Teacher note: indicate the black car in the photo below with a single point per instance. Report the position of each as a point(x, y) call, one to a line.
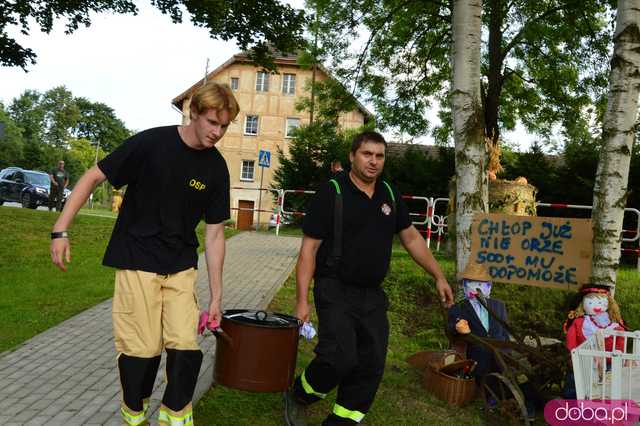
point(29, 187)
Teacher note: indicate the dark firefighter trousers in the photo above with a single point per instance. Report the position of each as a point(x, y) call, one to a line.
point(353, 335)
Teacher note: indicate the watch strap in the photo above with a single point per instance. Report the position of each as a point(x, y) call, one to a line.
point(61, 234)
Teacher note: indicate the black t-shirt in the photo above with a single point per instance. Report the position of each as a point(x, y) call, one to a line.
point(369, 225)
point(170, 187)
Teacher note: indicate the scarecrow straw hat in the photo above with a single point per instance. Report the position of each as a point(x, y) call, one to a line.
point(474, 272)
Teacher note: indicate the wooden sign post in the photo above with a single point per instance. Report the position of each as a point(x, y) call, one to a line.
point(530, 250)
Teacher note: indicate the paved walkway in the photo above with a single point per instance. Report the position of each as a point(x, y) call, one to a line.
point(67, 375)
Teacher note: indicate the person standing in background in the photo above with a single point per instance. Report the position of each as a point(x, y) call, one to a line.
point(59, 180)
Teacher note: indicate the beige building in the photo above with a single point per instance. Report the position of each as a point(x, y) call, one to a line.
point(267, 115)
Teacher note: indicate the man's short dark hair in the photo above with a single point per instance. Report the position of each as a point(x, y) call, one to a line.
point(368, 136)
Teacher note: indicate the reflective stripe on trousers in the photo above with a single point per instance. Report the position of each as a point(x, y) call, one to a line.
point(137, 419)
point(354, 415)
point(131, 419)
point(166, 417)
point(308, 389)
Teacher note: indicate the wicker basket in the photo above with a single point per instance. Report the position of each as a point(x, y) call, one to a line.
point(422, 359)
point(451, 389)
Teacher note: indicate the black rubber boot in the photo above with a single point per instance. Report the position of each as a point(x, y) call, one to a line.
point(294, 411)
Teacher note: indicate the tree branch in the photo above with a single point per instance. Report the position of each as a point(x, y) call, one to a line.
point(509, 72)
point(516, 39)
point(374, 32)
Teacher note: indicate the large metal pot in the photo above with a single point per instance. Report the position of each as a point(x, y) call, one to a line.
point(256, 350)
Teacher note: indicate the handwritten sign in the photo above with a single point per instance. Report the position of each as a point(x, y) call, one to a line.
point(530, 250)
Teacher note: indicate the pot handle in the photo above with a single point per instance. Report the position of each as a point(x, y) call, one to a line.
point(261, 315)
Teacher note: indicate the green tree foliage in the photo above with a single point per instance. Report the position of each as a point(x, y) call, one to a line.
point(78, 158)
point(540, 170)
point(98, 123)
point(566, 178)
point(56, 125)
point(578, 172)
point(84, 152)
point(61, 116)
point(311, 151)
point(316, 145)
point(28, 114)
point(544, 61)
point(330, 100)
point(417, 173)
point(11, 142)
point(271, 24)
point(633, 199)
point(34, 157)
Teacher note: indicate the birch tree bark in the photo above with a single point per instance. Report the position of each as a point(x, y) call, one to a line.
point(468, 124)
point(610, 191)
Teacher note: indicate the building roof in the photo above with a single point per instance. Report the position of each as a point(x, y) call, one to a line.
point(243, 57)
point(395, 149)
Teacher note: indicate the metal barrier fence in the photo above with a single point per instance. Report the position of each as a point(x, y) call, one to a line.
point(634, 232)
point(429, 218)
point(437, 224)
point(258, 209)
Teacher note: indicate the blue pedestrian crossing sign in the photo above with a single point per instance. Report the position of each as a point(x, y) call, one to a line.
point(264, 159)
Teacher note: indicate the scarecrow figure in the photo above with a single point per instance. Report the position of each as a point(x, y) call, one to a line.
point(596, 310)
point(469, 316)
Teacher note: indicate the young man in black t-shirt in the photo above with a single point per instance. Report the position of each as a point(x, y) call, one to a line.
point(348, 263)
point(175, 177)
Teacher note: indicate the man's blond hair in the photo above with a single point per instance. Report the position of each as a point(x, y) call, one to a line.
point(215, 96)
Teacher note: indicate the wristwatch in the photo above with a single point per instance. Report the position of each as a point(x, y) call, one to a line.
point(61, 234)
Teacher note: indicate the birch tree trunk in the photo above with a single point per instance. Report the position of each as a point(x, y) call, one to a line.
point(468, 124)
point(610, 192)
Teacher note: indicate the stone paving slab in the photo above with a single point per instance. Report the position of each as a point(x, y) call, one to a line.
point(67, 375)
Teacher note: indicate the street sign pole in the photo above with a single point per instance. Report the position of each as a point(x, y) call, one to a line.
point(260, 195)
point(264, 160)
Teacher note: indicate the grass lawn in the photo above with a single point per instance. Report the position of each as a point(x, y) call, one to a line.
point(34, 295)
point(400, 400)
point(98, 211)
point(416, 324)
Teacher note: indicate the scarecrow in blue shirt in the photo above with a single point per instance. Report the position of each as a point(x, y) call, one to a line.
point(469, 316)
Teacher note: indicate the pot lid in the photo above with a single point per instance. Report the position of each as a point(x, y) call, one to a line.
point(260, 318)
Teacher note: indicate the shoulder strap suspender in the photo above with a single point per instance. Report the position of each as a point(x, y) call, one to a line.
point(393, 197)
point(336, 252)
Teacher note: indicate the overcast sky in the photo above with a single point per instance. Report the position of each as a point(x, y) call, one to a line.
point(134, 64)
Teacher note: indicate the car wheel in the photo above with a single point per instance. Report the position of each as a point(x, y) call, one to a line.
point(26, 201)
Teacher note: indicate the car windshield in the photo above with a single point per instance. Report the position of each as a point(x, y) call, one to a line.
point(37, 178)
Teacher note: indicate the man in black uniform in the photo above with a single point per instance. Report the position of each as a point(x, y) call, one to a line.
point(175, 177)
point(59, 181)
point(347, 251)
